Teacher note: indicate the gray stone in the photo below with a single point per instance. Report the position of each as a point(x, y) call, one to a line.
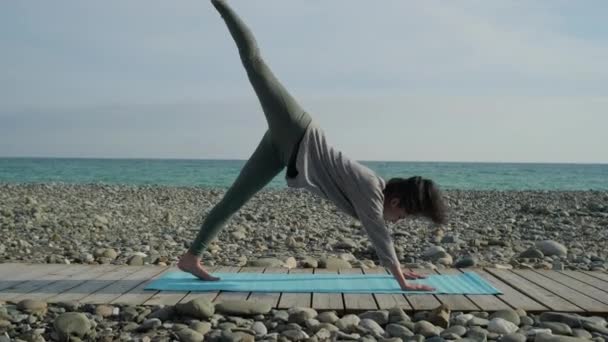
point(164, 314)
point(582, 333)
point(466, 261)
point(462, 319)
point(242, 307)
point(259, 328)
point(104, 310)
point(135, 260)
point(515, 337)
point(346, 243)
point(31, 306)
point(551, 248)
point(348, 323)
point(435, 339)
point(129, 313)
point(457, 330)
point(595, 327)
point(477, 335)
point(509, 315)
point(543, 337)
point(371, 325)
point(323, 334)
point(396, 314)
point(398, 330)
point(525, 320)
point(531, 253)
point(426, 329)
point(478, 321)
point(150, 324)
point(189, 335)
point(415, 338)
point(328, 317)
point(557, 328)
point(72, 324)
point(265, 262)
point(501, 326)
point(198, 308)
point(572, 320)
point(299, 315)
point(200, 327)
point(379, 316)
point(295, 335)
point(334, 263)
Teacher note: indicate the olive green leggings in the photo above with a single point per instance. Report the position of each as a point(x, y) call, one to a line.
point(287, 122)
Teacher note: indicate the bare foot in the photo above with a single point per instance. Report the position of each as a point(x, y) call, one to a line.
point(192, 264)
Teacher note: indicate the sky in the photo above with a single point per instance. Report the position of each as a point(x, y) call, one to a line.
point(478, 81)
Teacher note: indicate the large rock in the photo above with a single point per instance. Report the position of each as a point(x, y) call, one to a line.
point(199, 308)
point(550, 248)
point(242, 307)
point(72, 324)
point(440, 316)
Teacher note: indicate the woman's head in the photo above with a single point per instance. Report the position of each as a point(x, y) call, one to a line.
point(415, 196)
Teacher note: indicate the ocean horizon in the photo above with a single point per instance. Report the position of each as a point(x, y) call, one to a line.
point(220, 173)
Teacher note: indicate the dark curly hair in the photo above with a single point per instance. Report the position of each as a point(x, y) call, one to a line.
point(418, 196)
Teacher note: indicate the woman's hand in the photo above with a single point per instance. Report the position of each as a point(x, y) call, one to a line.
point(416, 287)
point(400, 276)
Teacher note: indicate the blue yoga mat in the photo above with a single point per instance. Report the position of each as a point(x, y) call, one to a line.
point(464, 283)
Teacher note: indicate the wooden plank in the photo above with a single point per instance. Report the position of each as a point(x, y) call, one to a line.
point(388, 300)
point(210, 295)
point(421, 302)
point(10, 269)
point(137, 295)
point(230, 295)
point(511, 296)
point(29, 272)
point(93, 285)
point(327, 301)
point(65, 284)
point(587, 279)
point(587, 303)
point(291, 299)
point(171, 297)
point(577, 285)
point(484, 302)
point(270, 298)
point(547, 298)
point(599, 275)
point(117, 288)
point(456, 302)
point(41, 282)
point(357, 301)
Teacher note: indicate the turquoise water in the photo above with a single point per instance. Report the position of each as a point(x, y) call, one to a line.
point(221, 173)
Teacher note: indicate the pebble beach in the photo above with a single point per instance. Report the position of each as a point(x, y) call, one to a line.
point(138, 225)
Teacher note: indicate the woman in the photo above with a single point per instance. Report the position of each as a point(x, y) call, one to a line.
point(294, 140)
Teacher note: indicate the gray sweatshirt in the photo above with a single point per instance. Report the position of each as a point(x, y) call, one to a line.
point(352, 187)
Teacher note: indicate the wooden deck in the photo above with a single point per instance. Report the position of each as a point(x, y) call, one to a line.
point(531, 290)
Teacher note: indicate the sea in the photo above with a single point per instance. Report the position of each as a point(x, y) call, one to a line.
point(221, 173)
